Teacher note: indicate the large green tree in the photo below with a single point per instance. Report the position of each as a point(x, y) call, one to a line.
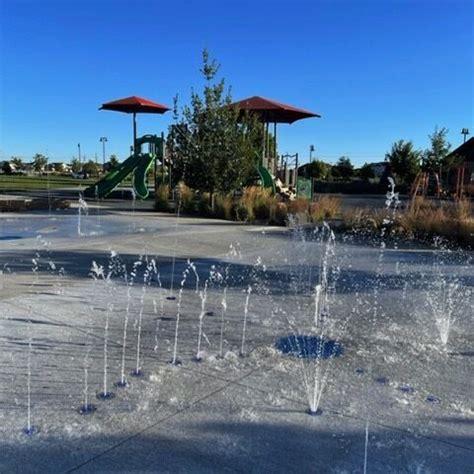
point(320, 170)
point(76, 165)
point(17, 161)
point(404, 160)
point(91, 168)
point(435, 156)
point(343, 168)
point(39, 162)
point(366, 171)
point(212, 148)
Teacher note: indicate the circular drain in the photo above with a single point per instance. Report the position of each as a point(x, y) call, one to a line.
point(87, 409)
point(105, 395)
point(433, 399)
point(32, 430)
point(309, 347)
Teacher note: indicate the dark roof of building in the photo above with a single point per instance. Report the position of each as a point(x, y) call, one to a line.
point(466, 150)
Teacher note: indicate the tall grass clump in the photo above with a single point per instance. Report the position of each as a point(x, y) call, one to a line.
point(255, 203)
point(325, 207)
point(186, 198)
point(161, 198)
point(204, 207)
point(223, 206)
point(422, 219)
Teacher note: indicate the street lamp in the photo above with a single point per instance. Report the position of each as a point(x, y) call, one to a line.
point(311, 150)
point(79, 152)
point(465, 132)
point(103, 140)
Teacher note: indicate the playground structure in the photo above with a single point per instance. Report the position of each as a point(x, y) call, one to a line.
point(422, 182)
point(277, 173)
point(138, 165)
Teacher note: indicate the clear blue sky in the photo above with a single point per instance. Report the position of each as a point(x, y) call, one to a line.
point(376, 70)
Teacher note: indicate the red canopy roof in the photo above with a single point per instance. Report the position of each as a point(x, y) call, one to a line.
point(272, 111)
point(135, 104)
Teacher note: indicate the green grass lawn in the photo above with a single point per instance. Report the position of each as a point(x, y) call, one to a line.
point(19, 182)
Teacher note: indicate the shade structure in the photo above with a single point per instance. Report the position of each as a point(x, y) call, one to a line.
point(135, 105)
point(271, 111)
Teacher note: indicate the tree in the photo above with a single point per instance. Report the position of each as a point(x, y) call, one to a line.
point(91, 168)
point(7, 167)
point(343, 168)
point(113, 161)
point(434, 157)
point(320, 169)
point(212, 148)
point(39, 162)
point(76, 165)
point(404, 161)
point(17, 161)
point(366, 172)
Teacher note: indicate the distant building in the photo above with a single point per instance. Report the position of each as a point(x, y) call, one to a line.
point(465, 153)
point(59, 167)
point(378, 168)
point(28, 168)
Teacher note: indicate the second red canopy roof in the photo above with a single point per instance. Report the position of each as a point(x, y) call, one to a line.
point(272, 111)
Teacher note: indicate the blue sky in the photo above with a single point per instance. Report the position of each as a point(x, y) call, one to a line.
point(376, 70)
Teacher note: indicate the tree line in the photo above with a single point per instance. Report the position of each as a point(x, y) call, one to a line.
point(404, 160)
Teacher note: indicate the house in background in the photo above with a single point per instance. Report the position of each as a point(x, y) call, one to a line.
point(378, 168)
point(59, 167)
point(465, 169)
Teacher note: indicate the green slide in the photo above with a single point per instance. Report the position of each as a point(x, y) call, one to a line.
point(139, 175)
point(108, 183)
point(266, 178)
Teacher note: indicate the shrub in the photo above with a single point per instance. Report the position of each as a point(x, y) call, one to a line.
point(279, 213)
point(325, 207)
point(298, 206)
point(186, 198)
point(255, 200)
point(223, 206)
point(243, 213)
point(204, 204)
point(463, 208)
point(423, 219)
point(161, 198)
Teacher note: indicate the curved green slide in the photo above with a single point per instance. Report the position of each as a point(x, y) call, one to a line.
point(266, 178)
point(137, 164)
point(139, 176)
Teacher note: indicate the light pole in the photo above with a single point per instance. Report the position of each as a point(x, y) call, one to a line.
point(103, 140)
point(465, 132)
point(311, 150)
point(79, 152)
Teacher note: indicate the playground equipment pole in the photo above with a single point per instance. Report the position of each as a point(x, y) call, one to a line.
point(134, 132)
